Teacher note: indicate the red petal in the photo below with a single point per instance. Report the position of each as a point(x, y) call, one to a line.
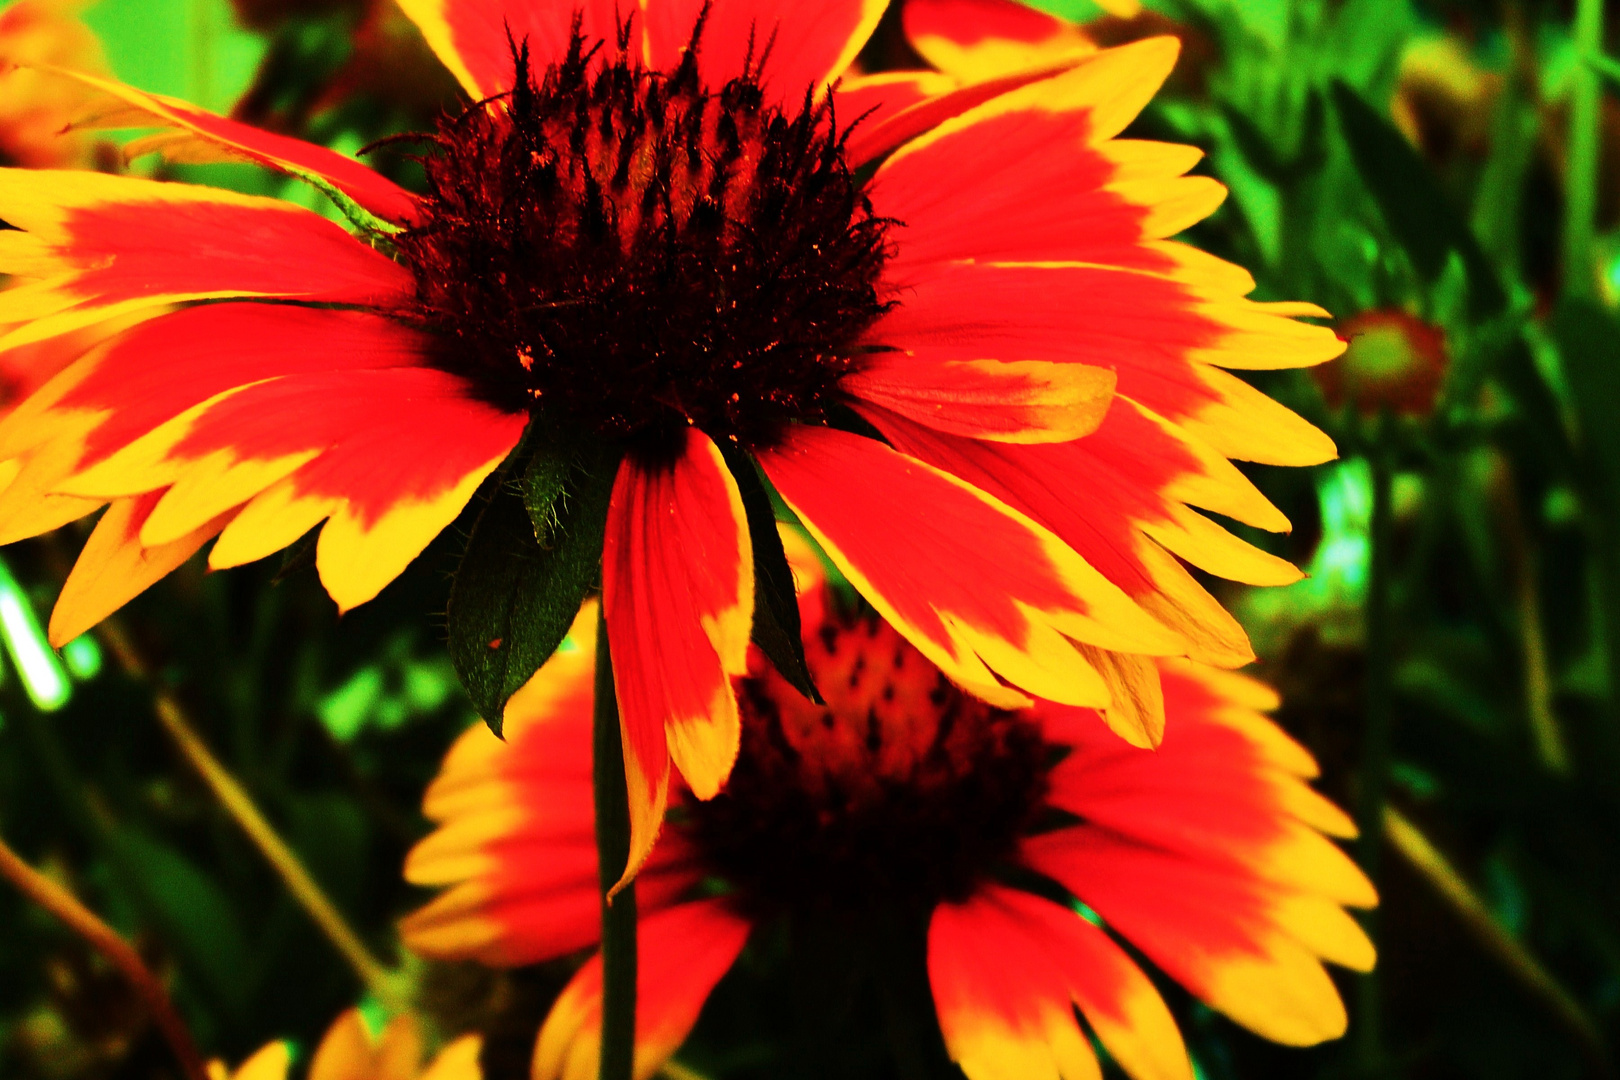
point(1005, 401)
point(471, 36)
point(1006, 968)
point(872, 99)
point(681, 952)
point(197, 135)
point(516, 835)
point(805, 46)
point(974, 584)
point(1153, 331)
point(678, 591)
point(982, 39)
point(100, 246)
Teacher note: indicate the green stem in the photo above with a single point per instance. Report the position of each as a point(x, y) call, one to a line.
point(612, 854)
point(1581, 178)
point(1376, 734)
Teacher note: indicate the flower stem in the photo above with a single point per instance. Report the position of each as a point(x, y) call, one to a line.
point(105, 940)
point(612, 853)
point(1376, 732)
point(384, 984)
point(1581, 170)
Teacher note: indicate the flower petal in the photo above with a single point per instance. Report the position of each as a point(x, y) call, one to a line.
point(1005, 967)
point(396, 452)
point(115, 567)
point(681, 952)
point(1111, 497)
point(804, 47)
point(1204, 856)
point(1155, 332)
point(516, 829)
point(678, 593)
point(474, 38)
point(1005, 401)
point(982, 39)
point(974, 584)
point(872, 99)
point(197, 135)
point(96, 246)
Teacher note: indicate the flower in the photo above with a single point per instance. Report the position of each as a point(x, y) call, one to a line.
point(349, 1051)
point(649, 277)
point(1395, 361)
point(906, 799)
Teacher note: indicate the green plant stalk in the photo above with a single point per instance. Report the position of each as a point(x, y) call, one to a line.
point(1581, 169)
point(612, 854)
point(1372, 776)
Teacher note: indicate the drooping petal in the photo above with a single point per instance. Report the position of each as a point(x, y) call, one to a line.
point(196, 135)
point(115, 567)
point(348, 1050)
point(1152, 330)
point(1004, 401)
point(515, 841)
point(681, 952)
point(982, 39)
point(1116, 497)
point(475, 38)
point(1206, 855)
point(977, 586)
point(804, 47)
point(392, 454)
point(1007, 969)
point(678, 593)
point(88, 246)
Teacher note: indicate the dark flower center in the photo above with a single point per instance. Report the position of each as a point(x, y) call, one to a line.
point(902, 790)
point(631, 252)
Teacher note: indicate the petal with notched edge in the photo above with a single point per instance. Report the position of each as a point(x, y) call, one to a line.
point(1007, 968)
point(681, 952)
point(678, 594)
point(395, 453)
point(115, 567)
point(92, 246)
point(977, 586)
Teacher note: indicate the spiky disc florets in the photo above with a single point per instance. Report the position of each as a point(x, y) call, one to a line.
point(633, 252)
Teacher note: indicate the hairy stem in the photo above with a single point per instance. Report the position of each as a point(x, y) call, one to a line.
point(1581, 173)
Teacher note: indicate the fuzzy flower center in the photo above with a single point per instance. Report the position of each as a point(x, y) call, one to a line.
point(901, 790)
point(630, 251)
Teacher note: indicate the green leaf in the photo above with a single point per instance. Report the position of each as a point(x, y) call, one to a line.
point(522, 580)
point(194, 914)
point(776, 605)
point(1415, 208)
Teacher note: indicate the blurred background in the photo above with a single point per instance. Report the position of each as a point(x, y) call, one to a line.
point(1443, 175)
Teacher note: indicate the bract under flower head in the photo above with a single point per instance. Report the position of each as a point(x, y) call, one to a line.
point(635, 252)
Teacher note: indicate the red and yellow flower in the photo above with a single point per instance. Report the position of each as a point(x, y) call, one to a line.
point(905, 795)
point(954, 337)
